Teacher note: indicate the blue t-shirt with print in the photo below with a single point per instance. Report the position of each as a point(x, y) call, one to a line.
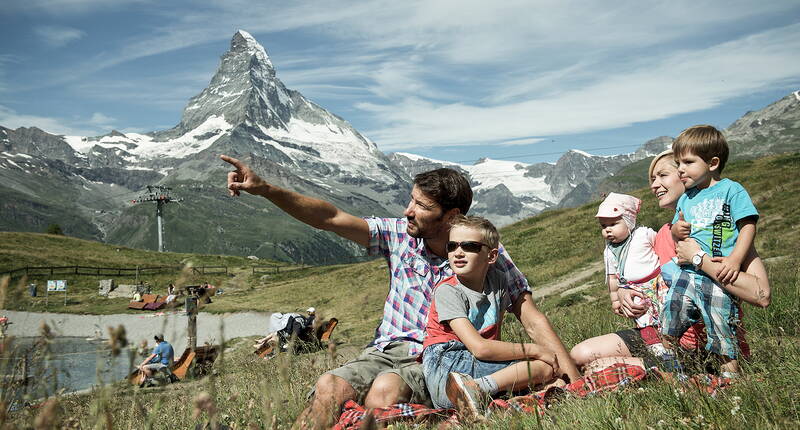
point(164, 353)
point(713, 213)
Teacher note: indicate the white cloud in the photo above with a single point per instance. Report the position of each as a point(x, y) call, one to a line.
point(96, 125)
point(659, 87)
point(466, 72)
point(56, 36)
point(100, 119)
point(522, 141)
point(4, 60)
point(61, 7)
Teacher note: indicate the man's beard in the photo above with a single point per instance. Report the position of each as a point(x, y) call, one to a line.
point(423, 234)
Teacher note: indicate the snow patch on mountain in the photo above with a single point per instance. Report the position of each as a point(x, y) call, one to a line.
point(488, 173)
point(335, 143)
point(144, 147)
point(491, 173)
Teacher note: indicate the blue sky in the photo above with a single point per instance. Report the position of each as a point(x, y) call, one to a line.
point(453, 80)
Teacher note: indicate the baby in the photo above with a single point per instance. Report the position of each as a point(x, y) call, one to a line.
point(631, 261)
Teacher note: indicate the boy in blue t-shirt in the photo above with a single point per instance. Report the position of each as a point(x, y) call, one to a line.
point(719, 215)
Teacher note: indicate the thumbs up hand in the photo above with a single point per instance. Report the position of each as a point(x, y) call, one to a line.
point(681, 229)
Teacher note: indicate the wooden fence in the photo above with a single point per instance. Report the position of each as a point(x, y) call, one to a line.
point(110, 271)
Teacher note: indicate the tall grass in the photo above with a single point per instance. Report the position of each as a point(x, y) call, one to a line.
point(245, 392)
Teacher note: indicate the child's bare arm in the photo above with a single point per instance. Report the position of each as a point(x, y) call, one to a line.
point(752, 284)
point(495, 350)
point(541, 331)
point(613, 288)
point(732, 264)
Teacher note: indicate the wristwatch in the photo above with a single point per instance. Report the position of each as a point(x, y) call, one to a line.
point(697, 259)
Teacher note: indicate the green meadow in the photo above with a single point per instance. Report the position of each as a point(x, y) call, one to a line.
point(244, 392)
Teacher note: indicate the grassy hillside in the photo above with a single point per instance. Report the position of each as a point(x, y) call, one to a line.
point(548, 248)
point(208, 221)
point(19, 250)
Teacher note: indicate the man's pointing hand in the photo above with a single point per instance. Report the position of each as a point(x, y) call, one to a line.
point(243, 179)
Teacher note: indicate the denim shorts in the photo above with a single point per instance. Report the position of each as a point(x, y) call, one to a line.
point(440, 359)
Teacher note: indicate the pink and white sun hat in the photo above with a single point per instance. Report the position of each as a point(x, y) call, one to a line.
point(620, 205)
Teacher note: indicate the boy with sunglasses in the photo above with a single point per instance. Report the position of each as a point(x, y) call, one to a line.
point(464, 360)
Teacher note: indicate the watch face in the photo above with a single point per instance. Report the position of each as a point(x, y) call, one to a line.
point(697, 259)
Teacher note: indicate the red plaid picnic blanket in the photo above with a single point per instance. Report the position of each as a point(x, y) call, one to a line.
point(354, 414)
point(609, 379)
point(612, 378)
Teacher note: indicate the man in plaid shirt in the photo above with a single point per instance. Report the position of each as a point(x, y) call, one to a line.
point(387, 371)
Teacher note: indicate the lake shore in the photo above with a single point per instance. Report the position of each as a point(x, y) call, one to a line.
point(211, 328)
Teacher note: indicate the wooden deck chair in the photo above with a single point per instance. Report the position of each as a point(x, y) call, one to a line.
point(149, 298)
point(137, 305)
point(136, 377)
point(154, 306)
point(326, 334)
point(265, 350)
point(180, 367)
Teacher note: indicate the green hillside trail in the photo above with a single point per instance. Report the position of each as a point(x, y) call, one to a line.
point(567, 284)
point(238, 279)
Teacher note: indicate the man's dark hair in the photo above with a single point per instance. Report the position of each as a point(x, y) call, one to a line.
point(159, 337)
point(446, 187)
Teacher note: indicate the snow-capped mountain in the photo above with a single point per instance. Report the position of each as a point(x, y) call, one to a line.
point(246, 101)
point(246, 112)
point(503, 191)
point(85, 184)
point(508, 191)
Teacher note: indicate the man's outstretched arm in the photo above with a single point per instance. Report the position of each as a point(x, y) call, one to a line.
point(314, 212)
point(540, 331)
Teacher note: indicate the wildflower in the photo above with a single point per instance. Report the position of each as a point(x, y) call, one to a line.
point(45, 331)
point(117, 339)
point(204, 403)
point(48, 417)
point(736, 405)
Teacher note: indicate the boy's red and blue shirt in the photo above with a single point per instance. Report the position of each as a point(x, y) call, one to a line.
point(414, 271)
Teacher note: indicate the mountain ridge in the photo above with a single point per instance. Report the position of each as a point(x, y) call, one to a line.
point(247, 112)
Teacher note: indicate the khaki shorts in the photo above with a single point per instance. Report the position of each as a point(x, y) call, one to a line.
point(371, 363)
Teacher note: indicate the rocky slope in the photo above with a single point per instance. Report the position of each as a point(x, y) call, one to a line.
point(247, 112)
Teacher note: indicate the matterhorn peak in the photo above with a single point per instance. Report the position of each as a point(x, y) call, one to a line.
point(244, 42)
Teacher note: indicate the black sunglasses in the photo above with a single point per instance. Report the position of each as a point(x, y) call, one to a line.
point(467, 246)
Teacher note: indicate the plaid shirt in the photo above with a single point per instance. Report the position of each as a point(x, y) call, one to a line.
point(414, 271)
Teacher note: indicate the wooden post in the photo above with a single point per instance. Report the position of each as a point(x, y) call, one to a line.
point(191, 310)
point(193, 331)
point(25, 371)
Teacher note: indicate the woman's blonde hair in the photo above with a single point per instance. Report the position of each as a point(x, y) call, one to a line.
point(658, 157)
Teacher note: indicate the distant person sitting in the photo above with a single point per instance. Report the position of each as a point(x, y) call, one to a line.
point(311, 315)
point(171, 293)
point(283, 327)
point(161, 357)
